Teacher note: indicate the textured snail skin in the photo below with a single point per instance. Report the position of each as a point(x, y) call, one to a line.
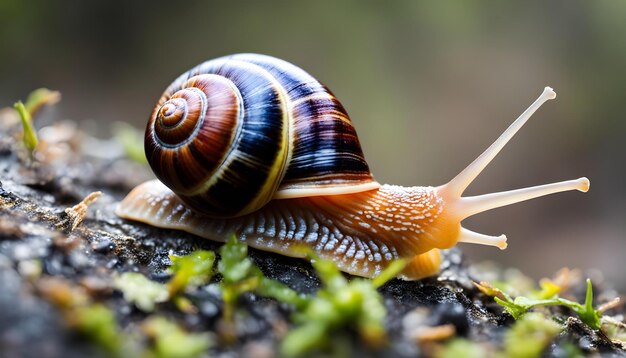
point(361, 232)
point(254, 146)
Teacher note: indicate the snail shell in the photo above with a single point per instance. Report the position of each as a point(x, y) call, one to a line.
point(235, 132)
point(253, 146)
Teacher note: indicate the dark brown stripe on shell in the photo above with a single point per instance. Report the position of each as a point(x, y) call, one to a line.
point(185, 155)
point(326, 147)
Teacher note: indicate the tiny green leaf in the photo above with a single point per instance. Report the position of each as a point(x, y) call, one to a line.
point(394, 268)
point(98, 323)
point(195, 268)
point(240, 275)
point(144, 293)
point(234, 264)
point(30, 136)
point(338, 304)
point(520, 305)
point(513, 309)
point(304, 339)
point(329, 274)
point(39, 98)
point(277, 290)
point(460, 347)
point(586, 312)
point(169, 340)
point(549, 289)
point(529, 336)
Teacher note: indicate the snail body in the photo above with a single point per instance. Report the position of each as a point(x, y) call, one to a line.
point(252, 145)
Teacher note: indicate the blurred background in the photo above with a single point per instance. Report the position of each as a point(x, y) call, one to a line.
point(429, 85)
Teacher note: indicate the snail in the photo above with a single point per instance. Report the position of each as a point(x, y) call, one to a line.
point(253, 145)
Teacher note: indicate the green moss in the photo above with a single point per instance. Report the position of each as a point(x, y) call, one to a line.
point(340, 304)
point(144, 293)
point(170, 340)
point(460, 347)
point(234, 264)
point(98, 324)
point(30, 136)
point(240, 274)
point(39, 98)
point(529, 336)
point(547, 297)
point(195, 269)
point(36, 100)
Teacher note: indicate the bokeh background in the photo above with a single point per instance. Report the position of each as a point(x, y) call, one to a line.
point(429, 85)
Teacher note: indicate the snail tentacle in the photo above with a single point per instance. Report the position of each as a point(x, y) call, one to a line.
point(459, 208)
point(472, 205)
point(471, 237)
point(457, 186)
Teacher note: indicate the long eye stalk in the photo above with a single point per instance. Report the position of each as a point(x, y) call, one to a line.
point(463, 207)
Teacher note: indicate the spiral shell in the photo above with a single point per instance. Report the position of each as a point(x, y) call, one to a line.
point(233, 133)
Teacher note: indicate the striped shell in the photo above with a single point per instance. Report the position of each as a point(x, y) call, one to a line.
point(233, 133)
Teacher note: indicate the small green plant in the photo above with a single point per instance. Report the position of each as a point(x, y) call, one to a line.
point(546, 297)
point(340, 304)
point(170, 340)
point(36, 100)
point(97, 323)
point(39, 98)
point(529, 336)
point(141, 291)
point(194, 269)
point(30, 136)
point(461, 347)
point(240, 274)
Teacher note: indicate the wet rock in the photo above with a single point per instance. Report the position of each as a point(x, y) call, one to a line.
point(104, 246)
point(209, 309)
point(451, 313)
point(258, 349)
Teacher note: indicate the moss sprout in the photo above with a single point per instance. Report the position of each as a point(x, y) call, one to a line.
point(99, 324)
point(339, 304)
point(547, 296)
point(170, 340)
point(240, 274)
point(29, 135)
point(461, 347)
point(529, 336)
point(39, 98)
point(194, 269)
point(141, 291)
point(36, 100)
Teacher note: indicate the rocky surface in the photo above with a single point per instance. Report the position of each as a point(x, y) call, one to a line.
point(38, 249)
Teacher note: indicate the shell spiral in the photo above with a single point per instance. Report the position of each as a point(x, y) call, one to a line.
point(233, 133)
